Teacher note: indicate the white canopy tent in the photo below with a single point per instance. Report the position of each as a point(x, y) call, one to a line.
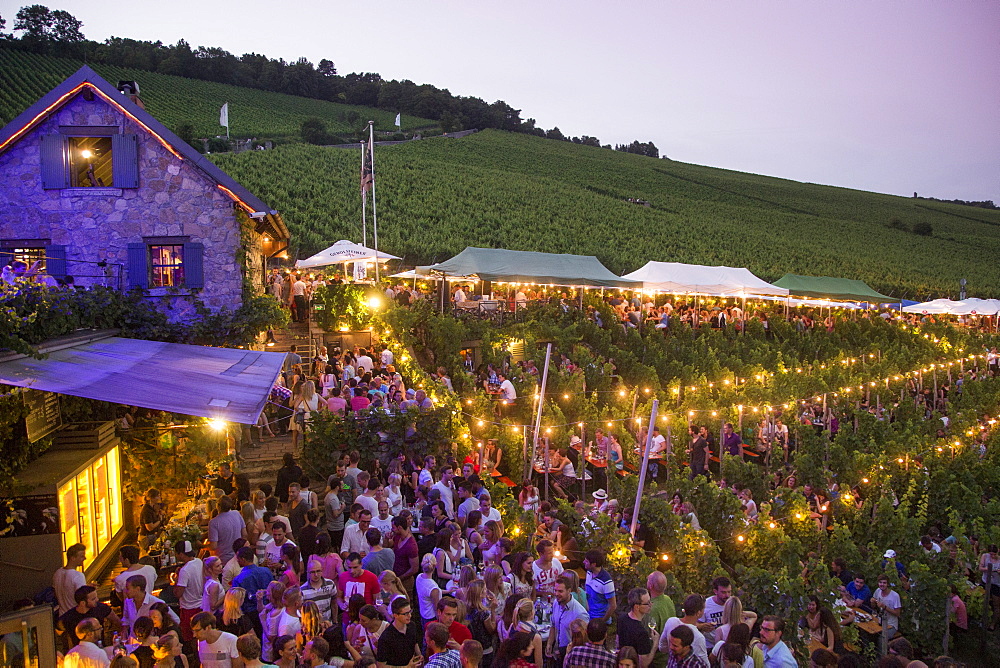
point(697, 279)
point(343, 252)
point(971, 306)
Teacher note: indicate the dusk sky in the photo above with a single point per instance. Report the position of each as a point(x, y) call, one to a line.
point(887, 96)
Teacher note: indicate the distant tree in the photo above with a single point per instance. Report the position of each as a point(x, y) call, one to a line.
point(314, 131)
point(897, 224)
point(923, 229)
point(448, 123)
point(555, 133)
point(590, 141)
point(326, 68)
point(3, 24)
point(38, 24)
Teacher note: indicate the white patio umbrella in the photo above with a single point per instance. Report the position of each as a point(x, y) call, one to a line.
point(343, 252)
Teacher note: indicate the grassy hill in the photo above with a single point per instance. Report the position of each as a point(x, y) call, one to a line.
point(515, 191)
point(24, 77)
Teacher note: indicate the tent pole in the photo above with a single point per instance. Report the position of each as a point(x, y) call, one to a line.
point(538, 416)
point(645, 465)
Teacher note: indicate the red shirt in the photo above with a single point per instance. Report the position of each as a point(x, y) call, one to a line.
point(367, 585)
point(459, 632)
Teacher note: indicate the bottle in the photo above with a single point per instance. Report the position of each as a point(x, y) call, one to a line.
point(118, 645)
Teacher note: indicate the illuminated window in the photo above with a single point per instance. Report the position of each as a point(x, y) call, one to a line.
point(90, 162)
point(29, 256)
point(167, 265)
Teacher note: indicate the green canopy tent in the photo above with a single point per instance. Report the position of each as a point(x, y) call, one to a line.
point(510, 266)
point(828, 287)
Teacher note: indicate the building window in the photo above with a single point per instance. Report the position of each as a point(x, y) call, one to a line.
point(167, 264)
point(90, 162)
point(29, 256)
point(89, 158)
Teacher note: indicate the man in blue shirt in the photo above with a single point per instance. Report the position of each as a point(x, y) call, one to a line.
point(776, 652)
point(600, 587)
point(857, 593)
point(253, 579)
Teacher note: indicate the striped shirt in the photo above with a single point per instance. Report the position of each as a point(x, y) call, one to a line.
point(600, 590)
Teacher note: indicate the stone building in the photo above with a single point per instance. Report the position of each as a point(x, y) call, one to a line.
point(102, 192)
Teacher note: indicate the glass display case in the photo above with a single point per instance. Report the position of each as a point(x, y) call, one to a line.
point(90, 504)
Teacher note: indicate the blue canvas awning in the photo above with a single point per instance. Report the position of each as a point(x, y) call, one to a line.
point(223, 383)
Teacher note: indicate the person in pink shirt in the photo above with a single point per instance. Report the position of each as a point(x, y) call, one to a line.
point(335, 403)
point(360, 400)
point(960, 615)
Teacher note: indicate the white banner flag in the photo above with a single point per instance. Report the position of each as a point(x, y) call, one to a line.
point(397, 119)
point(224, 115)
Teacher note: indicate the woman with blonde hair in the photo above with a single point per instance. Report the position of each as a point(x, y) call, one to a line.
point(490, 546)
point(480, 619)
point(574, 587)
point(525, 614)
point(733, 614)
point(459, 586)
point(302, 409)
point(313, 623)
point(497, 587)
point(255, 527)
point(269, 616)
point(427, 589)
point(232, 619)
point(213, 592)
point(391, 589)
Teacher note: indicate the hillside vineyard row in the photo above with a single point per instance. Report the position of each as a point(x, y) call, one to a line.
point(521, 192)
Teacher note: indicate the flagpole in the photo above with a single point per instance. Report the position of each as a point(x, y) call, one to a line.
point(371, 143)
point(364, 201)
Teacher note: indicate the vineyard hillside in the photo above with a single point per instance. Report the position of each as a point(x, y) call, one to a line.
point(515, 191)
point(26, 76)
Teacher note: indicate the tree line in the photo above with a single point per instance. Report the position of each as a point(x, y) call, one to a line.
point(56, 32)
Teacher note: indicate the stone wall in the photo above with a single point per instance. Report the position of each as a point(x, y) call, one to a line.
point(174, 198)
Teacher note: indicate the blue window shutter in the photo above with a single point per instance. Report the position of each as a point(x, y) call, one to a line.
point(6, 256)
point(55, 261)
point(138, 267)
point(194, 273)
point(125, 161)
point(55, 162)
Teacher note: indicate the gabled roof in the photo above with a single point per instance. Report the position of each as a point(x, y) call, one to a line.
point(85, 77)
point(703, 280)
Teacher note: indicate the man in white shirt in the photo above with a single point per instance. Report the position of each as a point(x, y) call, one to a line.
point(368, 499)
point(444, 485)
point(711, 616)
point(487, 509)
point(507, 391)
point(386, 356)
point(129, 555)
point(354, 536)
point(216, 649)
point(190, 585)
point(365, 363)
point(383, 521)
point(888, 601)
point(299, 300)
point(460, 295)
point(692, 608)
point(69, 578)
point(546, 568)
point(279, 537)
point(137, 604)
point(87, 654)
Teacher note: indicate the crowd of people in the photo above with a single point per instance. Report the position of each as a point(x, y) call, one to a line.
point(411, 566)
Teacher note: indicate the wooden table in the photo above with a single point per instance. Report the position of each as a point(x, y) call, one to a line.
point(871, 626)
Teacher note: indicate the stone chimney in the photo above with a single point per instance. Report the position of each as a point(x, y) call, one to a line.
point(130, 89)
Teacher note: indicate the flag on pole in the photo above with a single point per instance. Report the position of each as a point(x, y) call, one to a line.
point(398, 119)
point(367, 174)
point(224, 115)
